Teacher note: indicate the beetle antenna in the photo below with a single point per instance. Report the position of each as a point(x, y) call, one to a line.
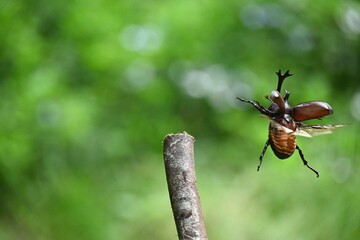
point(305, 162)
point(281, 78)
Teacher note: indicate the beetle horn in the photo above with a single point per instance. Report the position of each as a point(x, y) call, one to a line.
point(281, 78)
point(278, 100)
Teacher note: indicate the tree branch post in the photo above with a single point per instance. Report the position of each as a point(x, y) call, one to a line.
point(181, 180)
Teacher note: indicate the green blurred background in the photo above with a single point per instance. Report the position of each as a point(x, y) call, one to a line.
point(89, 89)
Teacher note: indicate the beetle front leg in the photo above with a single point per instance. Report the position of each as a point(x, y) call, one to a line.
point(256, 104)
point(305, 162)
point(262, 154)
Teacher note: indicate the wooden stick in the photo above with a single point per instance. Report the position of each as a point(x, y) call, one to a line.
point(181, 180)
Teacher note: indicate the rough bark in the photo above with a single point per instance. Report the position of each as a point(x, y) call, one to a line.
point(181, 180)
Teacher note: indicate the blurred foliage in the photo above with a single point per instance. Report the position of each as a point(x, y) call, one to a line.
point(90, 88)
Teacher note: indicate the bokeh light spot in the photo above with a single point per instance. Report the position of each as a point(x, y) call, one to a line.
point(141, 38)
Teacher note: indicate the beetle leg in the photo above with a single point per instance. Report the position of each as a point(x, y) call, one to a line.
point(263, 153)
point(305, 162)
point(256, 104)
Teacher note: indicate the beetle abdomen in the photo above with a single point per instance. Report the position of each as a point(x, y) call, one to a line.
point(282, 140)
